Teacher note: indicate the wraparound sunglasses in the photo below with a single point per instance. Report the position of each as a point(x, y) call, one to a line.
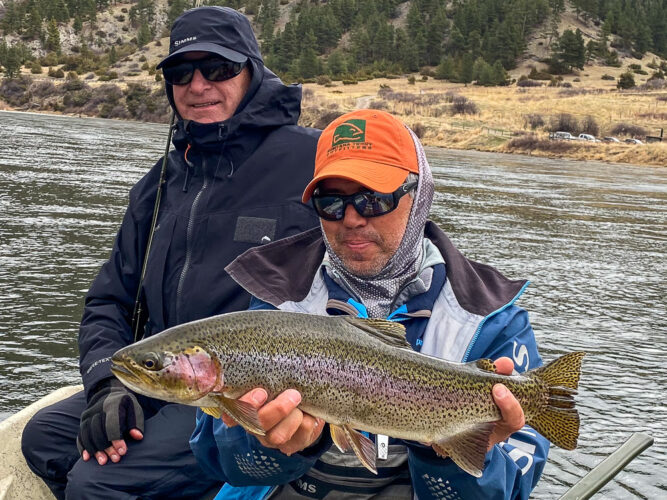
point(366, 203)
point(214, 69)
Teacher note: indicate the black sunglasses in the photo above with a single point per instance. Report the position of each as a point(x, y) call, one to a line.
point(366, 203)
point(214, 69)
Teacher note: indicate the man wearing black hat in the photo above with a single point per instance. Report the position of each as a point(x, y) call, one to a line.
point(233, 180)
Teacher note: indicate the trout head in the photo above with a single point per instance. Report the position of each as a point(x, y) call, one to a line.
point(182, 374)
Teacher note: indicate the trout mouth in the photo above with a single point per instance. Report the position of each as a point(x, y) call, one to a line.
point(137, 381)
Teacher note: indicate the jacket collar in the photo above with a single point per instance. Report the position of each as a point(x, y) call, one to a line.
point(285, 269)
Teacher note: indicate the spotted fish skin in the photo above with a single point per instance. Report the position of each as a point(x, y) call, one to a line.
point(355, 374)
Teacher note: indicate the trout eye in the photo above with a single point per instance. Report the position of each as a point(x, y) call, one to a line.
point(152, 362)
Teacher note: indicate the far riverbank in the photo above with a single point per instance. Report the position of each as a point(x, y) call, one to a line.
point(508, 119)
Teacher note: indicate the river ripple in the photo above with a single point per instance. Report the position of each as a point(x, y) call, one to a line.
point(590, 237)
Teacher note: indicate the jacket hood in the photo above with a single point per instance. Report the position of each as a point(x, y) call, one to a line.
point(268, 104)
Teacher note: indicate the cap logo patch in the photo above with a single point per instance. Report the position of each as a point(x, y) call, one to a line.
point(349, 131)
point(184, 40)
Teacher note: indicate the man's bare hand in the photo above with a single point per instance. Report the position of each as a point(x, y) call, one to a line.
point(114, 452)
point(510, 409)
point(288, 429)
point(512, 415)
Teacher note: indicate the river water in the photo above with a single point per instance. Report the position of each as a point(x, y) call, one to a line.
point(591, 237)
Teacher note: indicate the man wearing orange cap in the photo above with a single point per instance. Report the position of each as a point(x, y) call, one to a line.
point(376, 255)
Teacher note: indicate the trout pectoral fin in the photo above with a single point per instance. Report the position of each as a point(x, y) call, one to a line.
point(243, 413)
point(344, 437)
point(214, 412)
point(467, 449)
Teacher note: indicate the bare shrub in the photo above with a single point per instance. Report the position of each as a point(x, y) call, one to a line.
point(323, 80)
point(76, 99)
point(384, 90)
point(431, 99)
point(13, 90)
point(655, 84)
point(654, 116)
point(307, 93)
point(378, 105)
point(43, 89)
point(419, 129)
point(588, 125)
point(449, 96)
point(532, 142)
point(564, 122)
point(401, 97)
point(628, 129)
point(463, 106)
point(533, 121)
point(662, 98)
point(326, 118)
point(528, 83)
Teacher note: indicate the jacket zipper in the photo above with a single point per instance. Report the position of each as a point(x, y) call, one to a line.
point(481, 324)
point(188, 244)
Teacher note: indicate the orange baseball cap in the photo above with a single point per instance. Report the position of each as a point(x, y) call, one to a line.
point(367, 146)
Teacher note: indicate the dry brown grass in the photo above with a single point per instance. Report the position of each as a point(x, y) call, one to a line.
point(505, 109)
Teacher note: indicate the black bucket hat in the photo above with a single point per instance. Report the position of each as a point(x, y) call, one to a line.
point(219, 30)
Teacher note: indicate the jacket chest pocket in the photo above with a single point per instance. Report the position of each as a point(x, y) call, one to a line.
point(255, 230)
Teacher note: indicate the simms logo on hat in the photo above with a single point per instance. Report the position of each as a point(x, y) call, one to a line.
point(188, 39)
point(350, 131)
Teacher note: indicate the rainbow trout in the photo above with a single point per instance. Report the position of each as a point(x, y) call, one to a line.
point(356, 374)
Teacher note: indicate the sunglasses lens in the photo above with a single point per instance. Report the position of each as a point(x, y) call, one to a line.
point(217, 70)
point(374, 204)
point(179, 74)
point(329, 207)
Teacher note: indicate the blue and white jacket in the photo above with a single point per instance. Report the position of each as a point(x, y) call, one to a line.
point(467, 312)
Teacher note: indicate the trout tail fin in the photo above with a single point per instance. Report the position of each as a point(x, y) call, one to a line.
point(559, 420)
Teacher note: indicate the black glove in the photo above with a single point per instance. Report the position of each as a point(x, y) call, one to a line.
point(112, 411)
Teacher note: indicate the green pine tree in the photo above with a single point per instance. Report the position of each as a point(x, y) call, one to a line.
point(53, 37)
point(12, 63)
point(626, 80)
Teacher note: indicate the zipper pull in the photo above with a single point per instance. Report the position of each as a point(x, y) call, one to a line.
point(189, 167)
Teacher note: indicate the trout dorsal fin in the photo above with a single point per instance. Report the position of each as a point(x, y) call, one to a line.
point(389, 332)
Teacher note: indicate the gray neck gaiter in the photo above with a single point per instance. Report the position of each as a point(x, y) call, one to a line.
point(378, 292)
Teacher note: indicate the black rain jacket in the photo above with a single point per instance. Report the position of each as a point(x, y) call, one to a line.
point(240, 186)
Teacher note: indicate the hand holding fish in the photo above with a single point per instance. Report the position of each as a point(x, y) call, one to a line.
point(512, 413)
point(513, 419)
point(287, 428)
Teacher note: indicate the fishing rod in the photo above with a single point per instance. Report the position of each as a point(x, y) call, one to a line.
point(138, 308)
point(136, 324)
